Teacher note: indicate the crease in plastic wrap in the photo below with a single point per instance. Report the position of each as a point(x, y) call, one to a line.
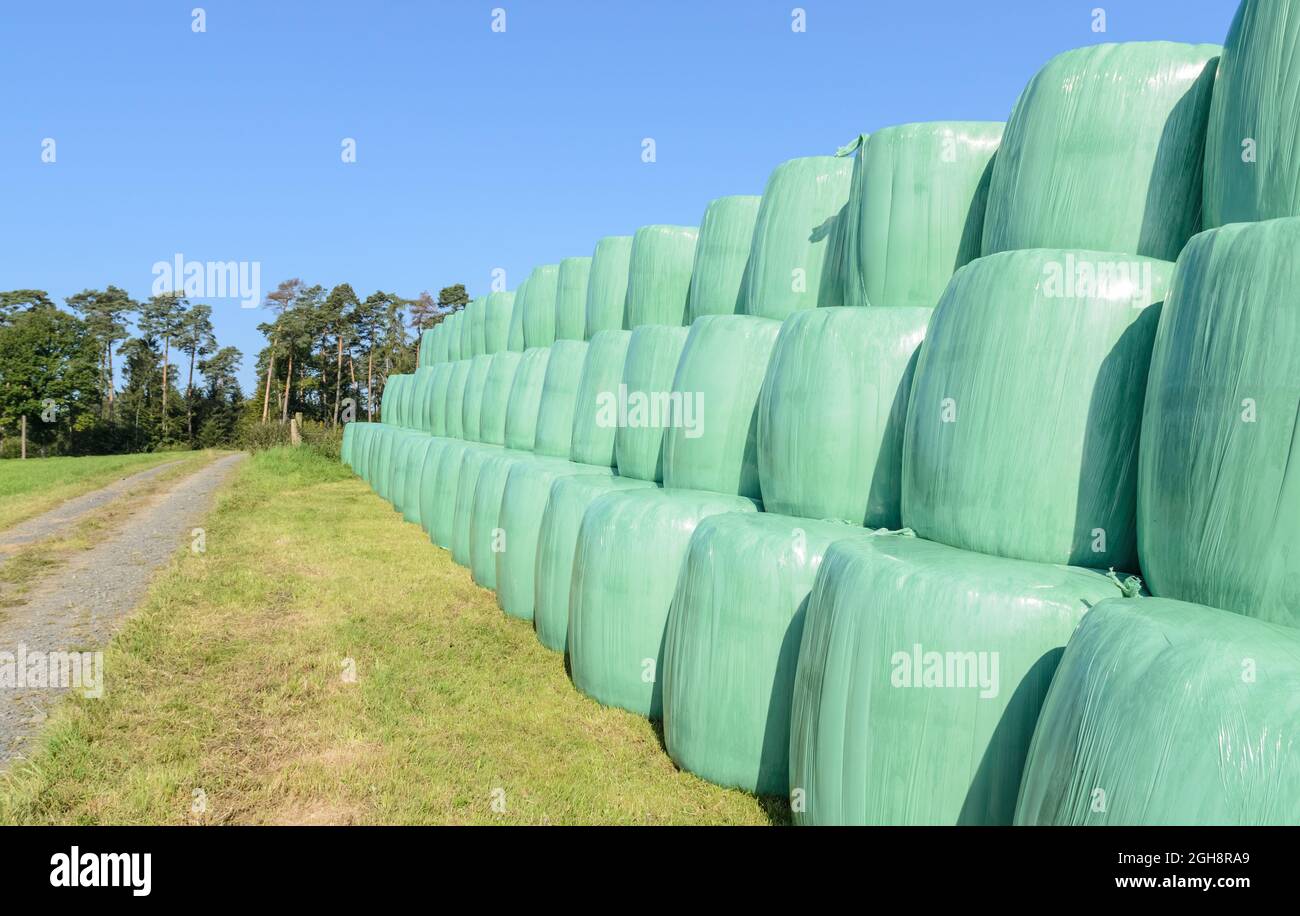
point(1219, 481)
point(921, 673)
point(1104, 150)
point(916, 210)
point(721, 253)
point(498, 310)
point(652, 357)
point(1167, 713)
point(607, 284)
point(800, 210)
point(539, 306)
point(659, 276)
point(1252, 148)
point(631, 543)
point(1026, 408)
point(472, 407)
point(571, 299)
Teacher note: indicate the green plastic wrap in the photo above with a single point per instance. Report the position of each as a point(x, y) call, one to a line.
point(607, 284)
point(571, 299)
point(832, 412)
point(452, 323)
point(523, 502)
point(1252, 148)
point(652, 357)
point(471, 463)
point(557, 540)
point(496, 396)
point(457, 382)
point(629, 553)
point(515, 337)
point(726, 233)
point(424, 349)
point(732, 642)
point(714, 447)
point(349, 445)
point(422, 391)
point(466, 329)
point(559, 393)
point(1022, 433)
point(539, 306)
point(435, 416)
point(801, 204)
point(595, 416)
point(438, 489)
point(916, 212)
point(498, 310)
point(659, 276)
point(485, 513)
point(478, 325)
point(386, 400)
point(472, 407)
point(525, 398)
point(1219, 483)
point(1104, 150)
point(439, 341)
point(1167, 713)
point(921, 674)
point(413, 470)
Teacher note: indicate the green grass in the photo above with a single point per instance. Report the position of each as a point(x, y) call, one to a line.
point(229, 681)
point(36, 485)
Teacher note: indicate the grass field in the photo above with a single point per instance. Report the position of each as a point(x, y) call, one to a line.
point(229, 696)
point(36, 485)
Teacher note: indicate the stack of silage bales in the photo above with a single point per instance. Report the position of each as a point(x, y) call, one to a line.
point(538, 305)
point(721, 254)
point(607, 284)
point(571, 299)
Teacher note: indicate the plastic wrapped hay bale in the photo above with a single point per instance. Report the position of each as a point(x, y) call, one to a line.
point(801, 204)
point(526, 398)
point(917, 210)
point(1219, 485)
point(496, 396)
point(1022, 433)
point(410, 483)
point(454, 409)
point(712, 443)
point(471, 464)
point(472, 407)
point(721, 253)
point(595, 419)
point(920, 678)
point(439, 355)
point(539, 306)
point(1104, 150)
point(435, 416)
point(571, 299)
point(478, 318)
point(451, 332)
point(466, 329)
point(1252, 149)
point(515, 335)
point(652, 357)
point(349, 444)
point(732, 643)
point(831, 418)
point(1168, 713)
point(498, 311)
point(607, 284)
point(659, 275)
point(422, 390)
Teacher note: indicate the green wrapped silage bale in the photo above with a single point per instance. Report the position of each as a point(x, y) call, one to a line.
point(1104, 150)
point(830, 430)
point(496, 396)
point(652, 358)
point(801, 204)
point(916, 212)
point(571, 299)
point(595, 407)
point(403, 458)
point(515, 335)
point(411, 505)
point(424, 349)
point(1166, 713)
point(478, 325)
point(472, 407)
point(452, 333)
point(921, 672)
point(439, 340)
point(418, 409)
point(1219, 483)
point(1026, 407)
point(721, 253)
point(607, 284)
point(1252, 147)
point(714, 447)
point(498, 310)
point(630, 549)
point(454, 408)
point(539, 306)
point(659, 276)
point(349, 443)
point(832, 413)
point(526, 398)
point(471, 463)
point(465, 328)
point(435, 408)
point(631, 543)
point(554, 435)
point(386, 401)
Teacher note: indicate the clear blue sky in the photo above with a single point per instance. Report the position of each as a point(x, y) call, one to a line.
point(474, 149)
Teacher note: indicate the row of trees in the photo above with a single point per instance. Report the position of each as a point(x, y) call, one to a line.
point(111, 374)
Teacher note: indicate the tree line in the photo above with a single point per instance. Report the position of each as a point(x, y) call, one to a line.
point(109, 374)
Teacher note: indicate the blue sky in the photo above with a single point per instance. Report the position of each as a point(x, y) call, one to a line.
point(475, 149)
